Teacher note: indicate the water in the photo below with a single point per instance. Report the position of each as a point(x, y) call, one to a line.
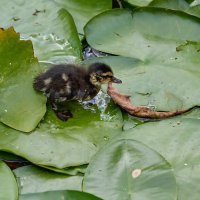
point(101, 100)
point(51, 49)
point(89, 52)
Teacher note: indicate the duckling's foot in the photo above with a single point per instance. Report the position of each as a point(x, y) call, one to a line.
point(64, 115)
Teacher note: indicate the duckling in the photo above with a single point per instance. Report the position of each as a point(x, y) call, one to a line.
point(72, 82)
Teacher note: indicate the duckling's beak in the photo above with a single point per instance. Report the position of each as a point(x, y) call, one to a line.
point(115, 80)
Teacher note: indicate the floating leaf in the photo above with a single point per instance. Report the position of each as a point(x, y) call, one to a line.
point(164, 67)
point(33, 179)
point(82, 11)
point(139, 2)
point(20, 106)
point(50, 27)
point(8, 189)
point(127, 169)
point(63, 144)
point(68, 170)
point(177, 140)
point(191, 7)
point(59, 195)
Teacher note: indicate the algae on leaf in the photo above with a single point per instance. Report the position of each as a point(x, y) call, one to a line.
point(20, 106)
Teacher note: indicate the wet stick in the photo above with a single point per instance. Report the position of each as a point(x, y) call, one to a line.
point(139, 111)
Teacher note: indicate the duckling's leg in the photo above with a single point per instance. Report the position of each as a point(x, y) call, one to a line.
point(63, 115)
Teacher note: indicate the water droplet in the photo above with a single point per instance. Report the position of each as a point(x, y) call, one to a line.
point(151, 106)
point(106, 138)
point(5, 110)
point(62, 198)
point(185, 164)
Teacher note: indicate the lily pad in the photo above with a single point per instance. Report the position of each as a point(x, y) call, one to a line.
point(8, 189)
point(144, 33)
point(64, 144)
point(127, 169)
point(57, 195)
point(20, 106)
point(50, 27)
point(165, 65)
point(139, 2)
point(143, 83)
point(77, 170)
point(191, 7)
point(177, 140)
point(82, 11)
point(32, 179)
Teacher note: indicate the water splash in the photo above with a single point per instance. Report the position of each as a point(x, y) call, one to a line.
point(101, 100)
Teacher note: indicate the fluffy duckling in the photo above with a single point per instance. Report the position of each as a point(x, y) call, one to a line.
point(71, 82)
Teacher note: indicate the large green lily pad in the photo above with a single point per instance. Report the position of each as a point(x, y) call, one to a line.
point(165, 70)
point(20, 106)
point(127, 169)
point(177, 140)
point(57, 195)
point(144, 33)
point(146, 88)
point(82, 11)
point(32, 179)
point(8, 189)
point(50, 27)
point(63, 144)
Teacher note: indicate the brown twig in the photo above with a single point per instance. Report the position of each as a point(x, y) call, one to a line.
point(139, 111)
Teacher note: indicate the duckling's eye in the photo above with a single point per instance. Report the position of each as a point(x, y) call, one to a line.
point(107, 77)
point(99, 77)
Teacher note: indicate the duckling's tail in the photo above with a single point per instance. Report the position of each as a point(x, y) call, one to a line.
point(38, 84)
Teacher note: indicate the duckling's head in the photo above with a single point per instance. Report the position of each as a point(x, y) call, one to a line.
point(101, 73)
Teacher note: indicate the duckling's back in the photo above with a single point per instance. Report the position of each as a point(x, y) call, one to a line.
point(62, 82)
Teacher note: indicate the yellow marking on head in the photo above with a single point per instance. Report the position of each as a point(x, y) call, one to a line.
point(65, 77)
point(107, 74)
point(94, 80)
point(47, 81)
